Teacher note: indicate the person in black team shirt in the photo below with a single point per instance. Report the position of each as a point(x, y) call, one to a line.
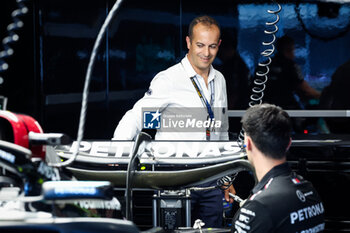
point(282, 201)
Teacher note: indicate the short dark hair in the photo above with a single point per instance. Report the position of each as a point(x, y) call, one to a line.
point(205, 20)
point(269, 127)
point(284, 43)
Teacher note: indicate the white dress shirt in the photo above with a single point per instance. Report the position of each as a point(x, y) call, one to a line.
point(172, 88)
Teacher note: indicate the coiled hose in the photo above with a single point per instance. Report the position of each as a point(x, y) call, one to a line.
point(262, 72)
point(12, 36)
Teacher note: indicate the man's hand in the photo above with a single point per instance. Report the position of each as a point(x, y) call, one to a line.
point(232, 190)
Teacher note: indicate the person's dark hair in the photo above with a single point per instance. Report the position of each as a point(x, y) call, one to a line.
point(284, 43)
point(270, 129)
point(205, 20)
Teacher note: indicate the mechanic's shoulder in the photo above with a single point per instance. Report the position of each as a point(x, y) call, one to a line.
point(275, 191)
point(257, 209)
point(280, 184)
point(253, 205)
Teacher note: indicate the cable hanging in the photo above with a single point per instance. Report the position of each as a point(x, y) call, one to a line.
point(12, 36)
point(262, 73)
point(87, 83)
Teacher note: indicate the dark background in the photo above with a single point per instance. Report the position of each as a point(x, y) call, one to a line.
point(47, 70)
point(46, 73)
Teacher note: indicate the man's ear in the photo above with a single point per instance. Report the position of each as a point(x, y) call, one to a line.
point(188, 42)
point(248, 143)
point(219, 43)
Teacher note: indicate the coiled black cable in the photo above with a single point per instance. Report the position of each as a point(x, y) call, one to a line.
point(262, 74)
point(12, 36)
